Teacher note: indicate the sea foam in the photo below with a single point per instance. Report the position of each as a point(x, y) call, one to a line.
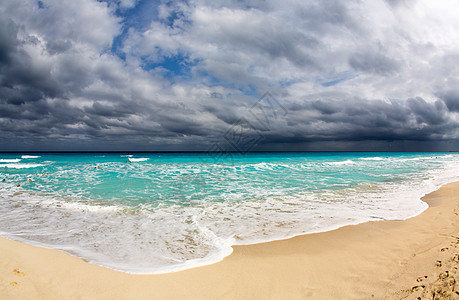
point(20, 166)
point(139, 159)
point(8, 160)
point(181, 212)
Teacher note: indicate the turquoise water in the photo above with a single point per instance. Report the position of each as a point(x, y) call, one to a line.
point(160, 212)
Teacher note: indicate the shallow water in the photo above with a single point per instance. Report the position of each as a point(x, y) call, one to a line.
point(159, 212)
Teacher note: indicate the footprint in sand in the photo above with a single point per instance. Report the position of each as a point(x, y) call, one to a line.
point(421, 278)
point(444, 249)
point(18, 272)
point(13, 283)
point(438, 263)
point(417, 288)
point(443, 275)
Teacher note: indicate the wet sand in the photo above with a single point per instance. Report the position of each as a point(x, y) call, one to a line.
point(375, 260)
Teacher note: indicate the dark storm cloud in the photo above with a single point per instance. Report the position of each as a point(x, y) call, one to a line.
point(371, 120)
point(100, 109)
point(451, 99)
point(8, 42)
point(20, 82)
point(64, 87)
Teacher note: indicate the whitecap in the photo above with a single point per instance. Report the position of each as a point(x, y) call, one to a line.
point(131, 159)
point(8, 160)
point(345, 162)
point(29, 156)
point(20, 166)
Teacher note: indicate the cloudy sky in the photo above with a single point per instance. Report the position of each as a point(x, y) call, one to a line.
point(233, 75)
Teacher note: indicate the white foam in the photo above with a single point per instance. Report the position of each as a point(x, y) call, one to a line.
point(416, 158)
point(7, 160)
point(20, 166)
point(127, 240)
point(29, 156)
point(372, 158)
point(132, 159)
point(345, 162)
point(152, 239)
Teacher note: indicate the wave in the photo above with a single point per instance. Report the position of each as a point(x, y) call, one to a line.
point(29, 156)
point(20, 166)
point(8, 160)
point(373, 158)
point(132, 159)
point(203, 210)
point(190, 236)
point(345, 162)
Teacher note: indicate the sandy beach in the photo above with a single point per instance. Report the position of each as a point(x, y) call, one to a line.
point(375, 260)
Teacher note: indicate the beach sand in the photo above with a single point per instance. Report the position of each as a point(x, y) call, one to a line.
point(375, 260)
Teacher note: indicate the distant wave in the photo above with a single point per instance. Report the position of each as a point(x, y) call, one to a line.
point(132, 159)
point(419, 158)
point(29, 156)
point(372, 158)
point(7, 160)
point(345, 162)
point(20, 166)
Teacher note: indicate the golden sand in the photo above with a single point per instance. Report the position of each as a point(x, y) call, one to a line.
point(375, 260)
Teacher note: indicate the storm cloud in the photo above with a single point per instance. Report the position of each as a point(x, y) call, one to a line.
point(142, 75)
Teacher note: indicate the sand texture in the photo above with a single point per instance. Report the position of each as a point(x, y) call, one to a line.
point(411, 259)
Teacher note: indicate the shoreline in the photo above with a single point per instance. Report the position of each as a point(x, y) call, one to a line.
point(376, 259)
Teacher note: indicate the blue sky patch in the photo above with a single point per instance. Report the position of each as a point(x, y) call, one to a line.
point(338, 78)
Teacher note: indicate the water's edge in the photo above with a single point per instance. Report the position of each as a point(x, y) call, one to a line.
point(163, 214)
point(216, 258)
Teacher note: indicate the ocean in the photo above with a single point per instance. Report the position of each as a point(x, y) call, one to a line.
point(150, 213)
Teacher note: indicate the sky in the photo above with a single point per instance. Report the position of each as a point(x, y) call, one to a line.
point(137, 75)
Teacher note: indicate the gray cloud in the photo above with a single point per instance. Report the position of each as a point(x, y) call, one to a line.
point(451, 99)
point(373, 62)
point(356, 119)
point(63, 87)
point(8, 32)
